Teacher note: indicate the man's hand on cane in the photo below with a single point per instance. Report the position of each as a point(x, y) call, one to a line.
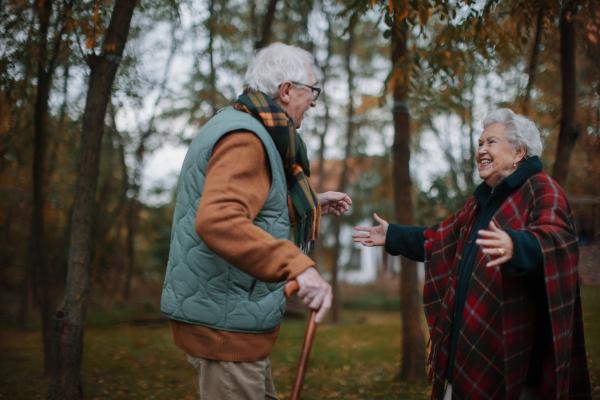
point(315, 292)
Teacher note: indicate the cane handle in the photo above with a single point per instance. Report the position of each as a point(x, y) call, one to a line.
point(291, 287)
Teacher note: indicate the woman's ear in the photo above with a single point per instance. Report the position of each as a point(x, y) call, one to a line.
point(520, 153)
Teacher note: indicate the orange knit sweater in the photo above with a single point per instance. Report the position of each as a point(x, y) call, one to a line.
point(238, 180)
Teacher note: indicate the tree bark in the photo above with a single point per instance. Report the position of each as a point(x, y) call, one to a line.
point(211, 55)
point(318, 251)
point(4, 245)
point(132, 223)
point(533, 62)
point(336, 304)
point(266, 28)
point(569, 129)
point(39, 258)
point(413, 340)
point(69, 319)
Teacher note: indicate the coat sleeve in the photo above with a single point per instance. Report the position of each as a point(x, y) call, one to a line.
point(527, 259)
point(407, 241)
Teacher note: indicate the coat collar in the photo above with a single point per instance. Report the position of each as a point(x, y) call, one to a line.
point(526, 170)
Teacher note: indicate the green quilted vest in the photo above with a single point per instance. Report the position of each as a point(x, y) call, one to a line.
point(200, 287)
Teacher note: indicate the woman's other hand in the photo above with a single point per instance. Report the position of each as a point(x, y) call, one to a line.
point(374, 236)
point(496, 242)
point(334, 203)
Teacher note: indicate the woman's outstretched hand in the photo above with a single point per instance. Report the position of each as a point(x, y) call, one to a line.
point(373, 236)
point(496, 242)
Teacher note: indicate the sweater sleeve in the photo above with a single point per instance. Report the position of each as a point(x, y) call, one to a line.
point(407, 241)
point(527, 259)
point(236, 187)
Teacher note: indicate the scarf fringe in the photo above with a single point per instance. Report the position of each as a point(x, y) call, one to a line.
point(307, 229)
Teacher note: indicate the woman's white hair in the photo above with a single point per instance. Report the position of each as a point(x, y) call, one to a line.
point(275, 64)
point(520, 131)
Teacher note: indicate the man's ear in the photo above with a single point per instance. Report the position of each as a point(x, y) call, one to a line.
point(283, 94)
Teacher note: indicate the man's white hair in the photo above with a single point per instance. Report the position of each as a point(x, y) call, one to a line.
point(520, 131)
point(275, 64)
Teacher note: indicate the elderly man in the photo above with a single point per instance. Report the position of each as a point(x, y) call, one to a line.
point(243, 185)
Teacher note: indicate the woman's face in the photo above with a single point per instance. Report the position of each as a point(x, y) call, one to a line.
point(496, 156)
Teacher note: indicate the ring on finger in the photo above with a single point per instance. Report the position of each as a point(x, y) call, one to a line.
point(500, 252)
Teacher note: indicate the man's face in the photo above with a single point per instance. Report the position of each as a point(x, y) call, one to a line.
point(298, 99)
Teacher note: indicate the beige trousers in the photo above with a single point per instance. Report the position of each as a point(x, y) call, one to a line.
point(526, 394)
point(224, 380)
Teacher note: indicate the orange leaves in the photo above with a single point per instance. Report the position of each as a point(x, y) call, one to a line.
point(89, 43)
point(95, 19)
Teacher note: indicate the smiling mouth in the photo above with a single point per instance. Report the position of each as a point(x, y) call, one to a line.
point(485, 162)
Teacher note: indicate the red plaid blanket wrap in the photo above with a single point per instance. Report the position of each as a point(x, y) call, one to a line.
point(497, 329)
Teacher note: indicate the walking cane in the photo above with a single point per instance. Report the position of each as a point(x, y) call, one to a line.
point(291, 287)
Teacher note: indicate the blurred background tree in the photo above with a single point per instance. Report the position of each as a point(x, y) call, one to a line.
point(406, 84)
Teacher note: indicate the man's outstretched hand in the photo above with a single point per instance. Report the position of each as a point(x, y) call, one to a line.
point(334, 203)
point(315, 292)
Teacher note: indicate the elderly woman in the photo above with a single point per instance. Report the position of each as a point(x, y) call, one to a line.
point(501, 294)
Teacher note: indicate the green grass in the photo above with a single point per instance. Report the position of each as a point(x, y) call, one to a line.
point(358, 359)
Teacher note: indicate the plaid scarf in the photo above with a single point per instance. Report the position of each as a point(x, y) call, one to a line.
point(497, 327)
point(292, 150)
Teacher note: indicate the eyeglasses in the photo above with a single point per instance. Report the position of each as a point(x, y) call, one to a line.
point(315, 90)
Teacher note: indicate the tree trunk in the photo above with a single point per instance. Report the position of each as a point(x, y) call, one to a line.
point(267, 23)
point(211, 55)
point(569, 129)
point(472, 162)
point(318, 251)
point(39, 258)
point(100, 226)
point(336, 305)
point(25, 294)
point(118, 262)
point(70, 316)
point(4, 246)
point(132, 222)
point(533, 62)
point(413, 340)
